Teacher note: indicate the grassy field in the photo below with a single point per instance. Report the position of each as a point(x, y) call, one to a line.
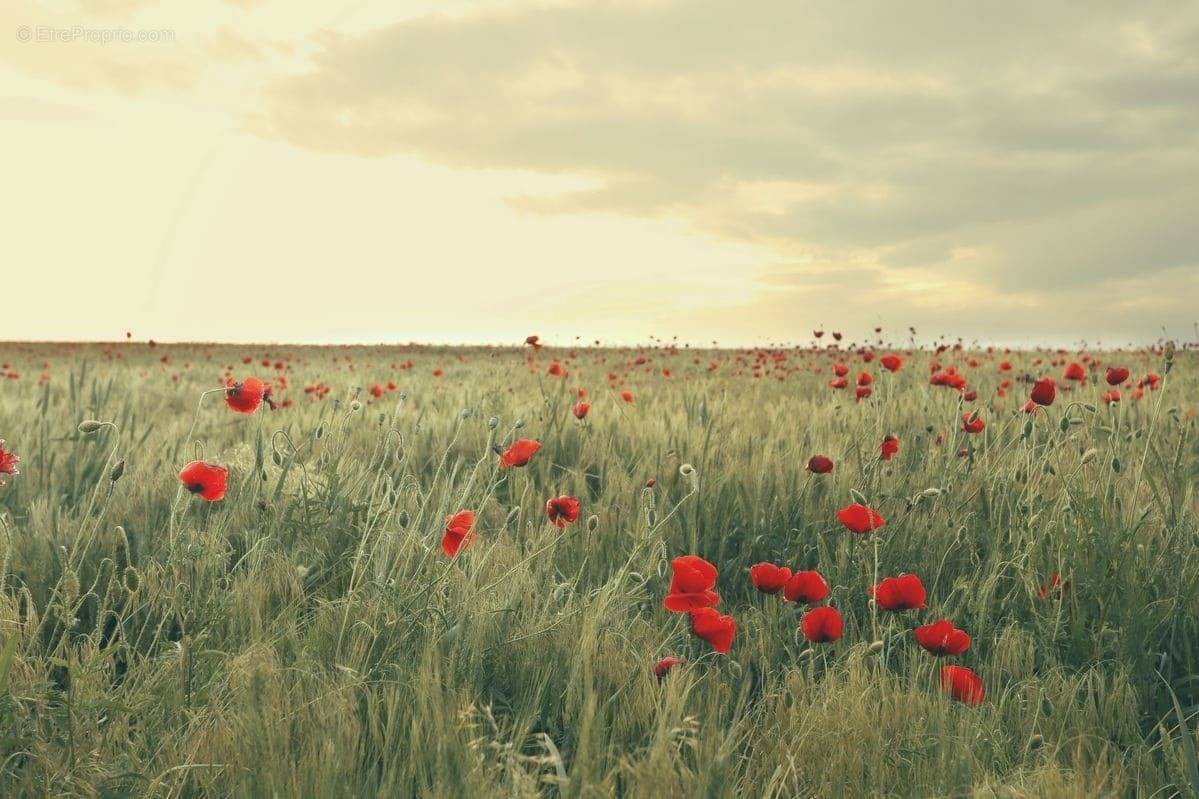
point(307, 635)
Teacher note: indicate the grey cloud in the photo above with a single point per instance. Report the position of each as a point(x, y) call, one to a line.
point(1057, 141)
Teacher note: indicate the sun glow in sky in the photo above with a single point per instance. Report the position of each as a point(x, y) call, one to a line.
point(266, 170)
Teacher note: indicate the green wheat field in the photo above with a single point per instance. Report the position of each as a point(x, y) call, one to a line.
point(307, 634)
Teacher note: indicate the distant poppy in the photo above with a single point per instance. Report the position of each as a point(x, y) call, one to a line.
point(555, 369)
point(376, 390)
point(905, 592)
point(942, 638)
point(1112, 395)
point(627, 396)
point(865, 378)
point(1030, 407)
point(651, 482)
point(562, 510)
point(768, 578)
point(691, 584)
point(962, 684)
point(838, 382)
point(8, 462)
point(889, 447)
point(519, 453)
point(972, 422)
point(459, 532)
point(819, 464)
point(1043, 391)
point(1116, 375)
point(581, 409)
point(246, 396)
point(714, 627)
point(892, 363)
point(822, 625)
point(862, 392)
point(534, 342)
point(840, 369)
point(663, 666)
point(1055, 586)
point(208, 480)
point(806, 587)
point(858, 518)
point(1076, 372)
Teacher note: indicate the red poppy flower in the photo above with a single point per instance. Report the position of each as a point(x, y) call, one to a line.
point(714, 627)
point(768, 578)
point(942, 638)
point(838, 382)
point(807, 588)
point(862, 392)
point(962, 684)
point(1030, 407)
point(691, 584)
point(822, 625)
point(865, 379)
point(892, 363)
point(889, 447)
point(651, 482)
point(581, 410)
point(905, 592)
point(246, 396)
point(519, 453)
point(972, 422)
point(1076, 372)
point(555, 369)
point(1116, 375)
point(858, 518)
point(534, 342)
point(1043, 391)
point(819, 464)
point(376, 390)
point(8, 462)
point(627, 396)
point(1111, 395)
point(562, 510)
point(840, 369)
point(459, 532)
point(1055, 585)
point(206, 479)
point(663, 666)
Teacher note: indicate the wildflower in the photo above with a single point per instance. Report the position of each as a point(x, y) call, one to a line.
point(8, 462)
point(942, 638)
point(1076, 372)
point(972, 422)
point(1044, 391)
point(889, 447)
point(822, 625)
point(1053, 586)
point(206, 479)
point(859, 518)
point(819, 464)
point(562, 510)
point(962, 684)
point(768, 578)
point(714, 627)
point(905, 592)
point(519, 453)
point(691, 584)
point(1116, 375)
point(581, 410)
point(246, 396)
point(892, 363)
point(627, 396)
point(806, 587)
point(663, 666)
point(459, 532)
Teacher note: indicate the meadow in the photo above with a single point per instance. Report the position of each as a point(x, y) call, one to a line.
point(332, 625)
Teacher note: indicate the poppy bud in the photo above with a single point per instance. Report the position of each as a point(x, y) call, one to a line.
point(519, 424)
point(1027, 431)
point(89, 426)
point(1116, 465)
point(133, 579)
point(687, 470)
point(1064, 424)
point(857, 496)
point(277, 457)
point(118, 470)
point(876, 647)
point(592, 523)
point(355, 406)
point(466, 413)
point(512, 514)
point(493, 422)
point(320, 431)
point(1036, 742)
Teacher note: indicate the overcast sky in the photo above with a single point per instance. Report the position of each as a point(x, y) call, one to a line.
point(269, 170)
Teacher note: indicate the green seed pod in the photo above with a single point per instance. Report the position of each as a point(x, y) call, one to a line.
point(118, 471)
point(1064, 424)
point(1117, 467)
point(1027, 431)
point(89, 426)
